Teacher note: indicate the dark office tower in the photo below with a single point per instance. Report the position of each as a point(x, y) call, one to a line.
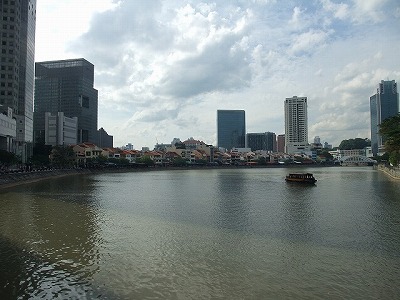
point(66, 86)
point(18, 22)
point(231, 127)
point(384, 104)
point(261, 141)
point(104, 140)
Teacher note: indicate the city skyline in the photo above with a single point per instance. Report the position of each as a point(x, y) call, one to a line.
point(164, 67)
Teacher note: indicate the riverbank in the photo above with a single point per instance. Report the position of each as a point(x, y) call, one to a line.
point(14, 179)
point(392, 172)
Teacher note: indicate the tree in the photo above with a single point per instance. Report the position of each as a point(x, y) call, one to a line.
point(390, 131)
point(7, 158)
point(62, 156)
point(179, 162)
point(145, 160)
point(262, 160)
point(357, 143)
point(41, 153)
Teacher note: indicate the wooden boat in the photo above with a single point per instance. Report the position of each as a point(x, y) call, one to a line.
point(301, 178)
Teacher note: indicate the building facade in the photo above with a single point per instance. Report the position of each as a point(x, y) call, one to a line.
point(18, 23)
point(296, 125)
point(60, 130)
point(231, 129)
point(384, 104)
point(261, 141)
point(280, 141)
point(8, 130)
point(66, 86)
point(104, 140)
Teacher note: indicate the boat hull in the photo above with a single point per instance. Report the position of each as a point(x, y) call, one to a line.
point(306, 178)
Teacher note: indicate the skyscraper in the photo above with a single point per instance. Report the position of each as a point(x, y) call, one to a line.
point(384, 104)
point(231, 129)
point(18, 22)
point(66, 86)
point(296, 125)
point(261, 141)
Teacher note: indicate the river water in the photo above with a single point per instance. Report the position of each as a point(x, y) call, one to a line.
point(203, 234)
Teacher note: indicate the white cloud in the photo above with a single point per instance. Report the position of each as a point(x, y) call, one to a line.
point(163, 68)
point(308, 41)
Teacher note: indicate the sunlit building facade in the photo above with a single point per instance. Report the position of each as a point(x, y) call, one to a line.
point(296, 125)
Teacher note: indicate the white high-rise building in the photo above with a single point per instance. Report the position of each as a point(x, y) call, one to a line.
point(296, 125)
point(60, 130)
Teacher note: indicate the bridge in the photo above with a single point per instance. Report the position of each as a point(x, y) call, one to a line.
point(356, 160)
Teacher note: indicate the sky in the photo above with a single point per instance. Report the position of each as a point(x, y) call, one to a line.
point(164, 68)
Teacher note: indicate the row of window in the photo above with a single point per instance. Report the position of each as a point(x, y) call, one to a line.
point(12, 2)
point(9, 93)
point(12, 10)
point(9, 76)
point(11, 19)
point(10, 35)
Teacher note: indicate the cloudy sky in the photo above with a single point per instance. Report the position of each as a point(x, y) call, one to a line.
point(163, 68)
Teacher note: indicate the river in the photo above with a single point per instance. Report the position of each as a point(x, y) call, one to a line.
point(203, 234)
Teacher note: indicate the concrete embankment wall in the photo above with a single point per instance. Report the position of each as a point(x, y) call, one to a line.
point(10, 179)
point(392, 172)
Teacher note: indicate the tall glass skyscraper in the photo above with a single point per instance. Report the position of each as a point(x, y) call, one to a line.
point(384, 104)
point(296, 125)
point(66, 86)
point(18, 23)
point(231, 129)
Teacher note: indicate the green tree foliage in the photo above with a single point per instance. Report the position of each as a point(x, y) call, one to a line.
point(357, 143)
point(325, 153)
point(41, 154)
point(7, 158)
point(390, 130)
point(201, 161)
point(179, 162)
point(262, 161)
point(62, 156)
point(145, 160)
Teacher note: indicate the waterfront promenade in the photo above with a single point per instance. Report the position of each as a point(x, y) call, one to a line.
point(390, 171)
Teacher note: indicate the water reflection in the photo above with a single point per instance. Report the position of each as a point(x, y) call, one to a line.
point(233, 203)
point(231, 234)
point(54, 236)
point(298, 212)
